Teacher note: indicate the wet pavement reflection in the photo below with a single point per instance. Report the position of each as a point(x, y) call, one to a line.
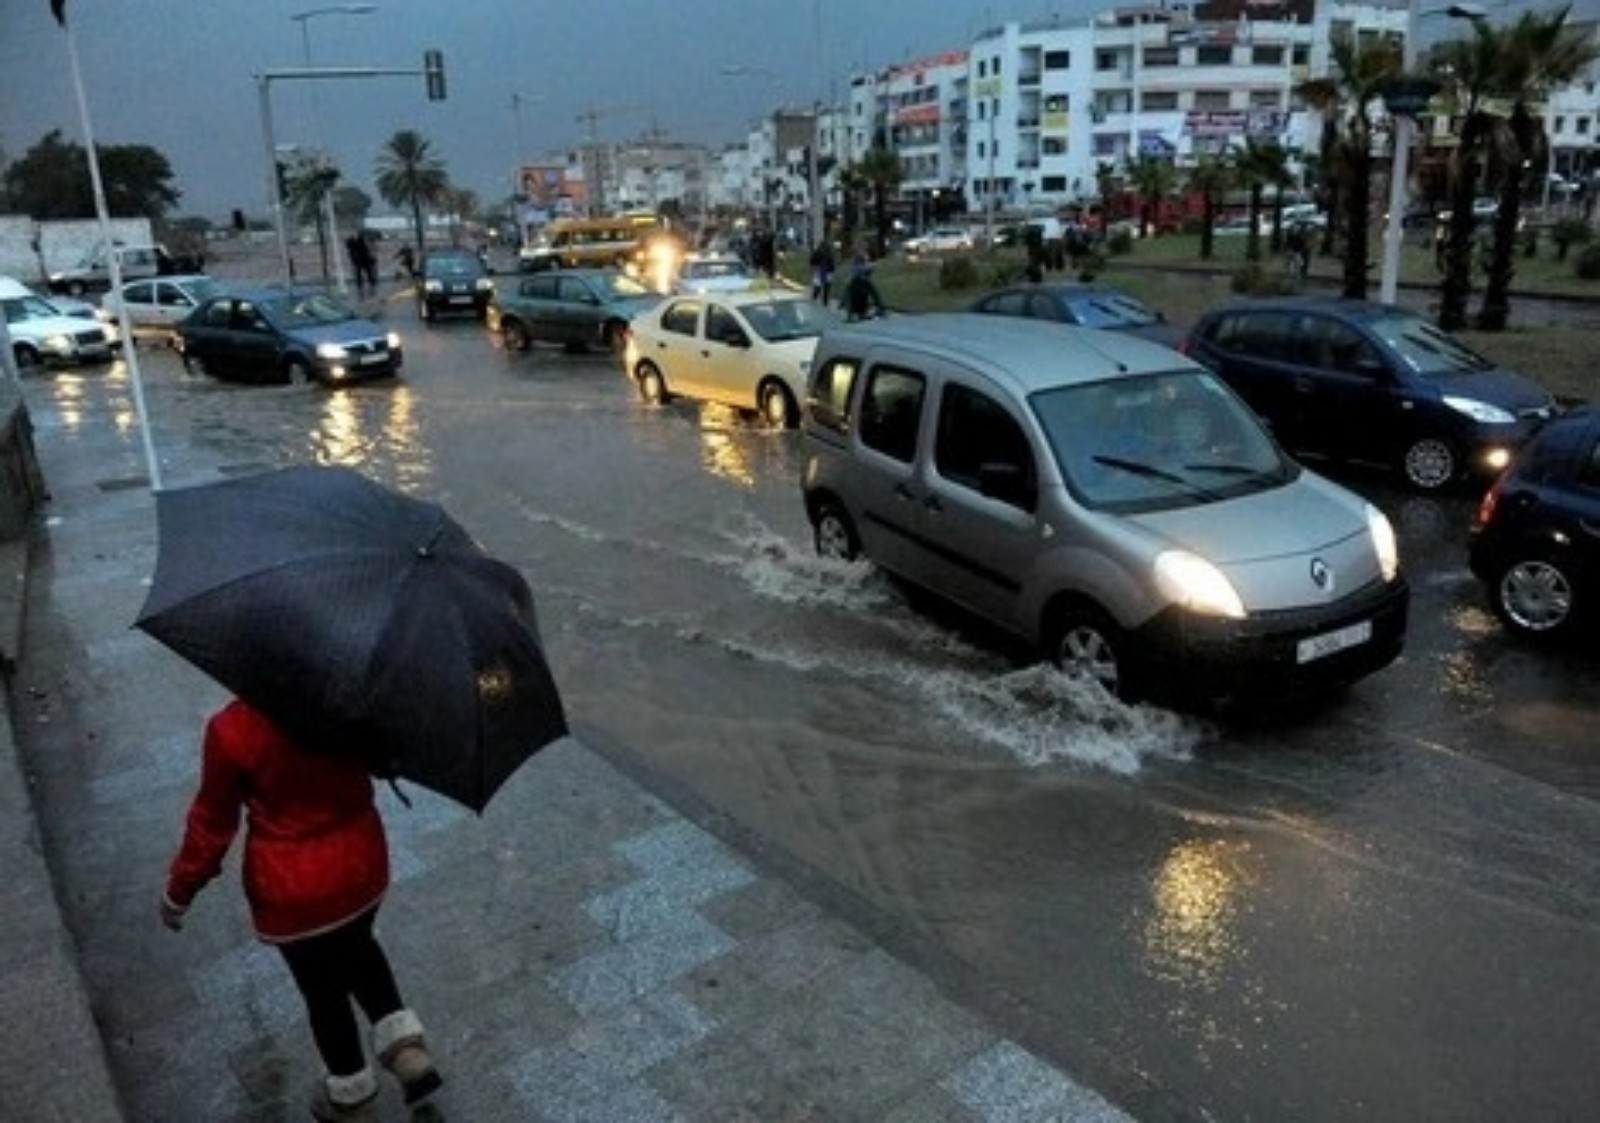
point(1384, 905)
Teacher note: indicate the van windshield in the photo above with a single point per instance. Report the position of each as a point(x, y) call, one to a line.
point(1156, 442)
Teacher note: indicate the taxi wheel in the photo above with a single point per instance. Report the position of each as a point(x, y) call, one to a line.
point(777, 406)
point(652, 384)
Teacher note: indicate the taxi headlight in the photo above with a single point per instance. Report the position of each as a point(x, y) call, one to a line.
point(1191, 582)
point(1383, 542)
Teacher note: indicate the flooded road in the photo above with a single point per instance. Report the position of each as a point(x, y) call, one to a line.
point(1385, 907)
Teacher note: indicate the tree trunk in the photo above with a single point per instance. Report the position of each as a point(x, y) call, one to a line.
point(1252, 243)
point(1456, 287)
point(1358, 190)
point(1495, 312)
point(1208, 220)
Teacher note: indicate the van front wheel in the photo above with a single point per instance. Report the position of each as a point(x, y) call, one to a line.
point(1087, 644)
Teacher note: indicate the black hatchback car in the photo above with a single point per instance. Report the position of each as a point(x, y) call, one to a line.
point(1363, 382)
point(453, 283)
point(1083, 305)
point(1536, 540)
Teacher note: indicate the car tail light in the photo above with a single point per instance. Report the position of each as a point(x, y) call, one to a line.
point(1487, 505)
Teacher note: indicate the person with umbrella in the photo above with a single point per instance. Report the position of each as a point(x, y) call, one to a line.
point(316, 868)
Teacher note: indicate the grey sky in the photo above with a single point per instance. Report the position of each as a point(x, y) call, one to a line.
point(178, 74)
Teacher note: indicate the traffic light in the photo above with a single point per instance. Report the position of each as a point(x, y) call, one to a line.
point(433, 71)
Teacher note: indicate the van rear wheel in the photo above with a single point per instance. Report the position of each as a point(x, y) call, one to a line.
point(835, 534)
point(1087, 644)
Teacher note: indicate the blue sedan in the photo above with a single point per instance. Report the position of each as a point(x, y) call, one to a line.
point(286, 335)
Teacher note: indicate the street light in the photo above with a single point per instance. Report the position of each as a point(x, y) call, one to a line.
point(1404, 132)
point(304, 20)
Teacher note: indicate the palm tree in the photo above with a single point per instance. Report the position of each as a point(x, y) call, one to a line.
point(408, 174)
point(1470, 67)
point(1153, 178)
point(307, 185)
point(1362, 70)
point(1539, 52)
point(1210, 178)
point(883, 172)
point(1258, 165)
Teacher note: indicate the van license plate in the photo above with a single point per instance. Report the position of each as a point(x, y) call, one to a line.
point(1316, 647)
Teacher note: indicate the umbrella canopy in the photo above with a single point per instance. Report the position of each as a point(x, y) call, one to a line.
point(359, 619)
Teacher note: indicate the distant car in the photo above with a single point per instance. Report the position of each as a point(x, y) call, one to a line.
point(1082, 305)
point(286, 335)
point(1364, 382)
point(41, 334)
point(453, 283)
point(1536, 541)
point(77, 309)
point(749, 350)
point(156, 305)
point(722, 272)
point(578, 308)
point(943, 239)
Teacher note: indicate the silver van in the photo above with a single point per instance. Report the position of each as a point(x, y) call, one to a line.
point(1100, 496)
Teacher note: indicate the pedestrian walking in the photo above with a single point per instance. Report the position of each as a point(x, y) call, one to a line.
point(861, 297)
point(822, 267)
point(316, 867)
point(408, 263)
point(363, 263)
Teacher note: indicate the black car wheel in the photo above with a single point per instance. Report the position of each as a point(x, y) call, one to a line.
point(615, 337)
point(515, 335)
point(298, 372)
point(834, 534)
point(1085, 643)
point(27, 358)
point(652, 384)
point(1430, 463)
point(777, 406)
point(1535, 596)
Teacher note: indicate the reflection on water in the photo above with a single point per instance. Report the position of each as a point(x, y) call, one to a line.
point(358, 429)
point(1191, 938)
point(722, 455)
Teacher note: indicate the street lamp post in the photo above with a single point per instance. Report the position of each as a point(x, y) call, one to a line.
point(330, 220)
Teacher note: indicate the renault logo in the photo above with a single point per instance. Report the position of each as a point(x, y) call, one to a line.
point(1321, 575)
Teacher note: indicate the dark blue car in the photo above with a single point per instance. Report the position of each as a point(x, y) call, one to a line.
point(274, 334)
point(1361, 382)
point(1536, 541)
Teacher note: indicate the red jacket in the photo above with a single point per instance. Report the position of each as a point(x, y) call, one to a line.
point(315, 856)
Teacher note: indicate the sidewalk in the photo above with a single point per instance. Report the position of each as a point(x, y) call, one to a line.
point(587, 951)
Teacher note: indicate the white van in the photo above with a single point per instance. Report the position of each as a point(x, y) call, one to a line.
point(1102, 497)
point(41, 334)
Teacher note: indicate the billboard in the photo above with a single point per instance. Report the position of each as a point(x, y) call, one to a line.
point(544, 185)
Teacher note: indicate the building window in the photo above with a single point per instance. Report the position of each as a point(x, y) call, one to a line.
point(1265, 99)
point(1211, 99)
point(1560, 125)
point(1053, 184)
point(994, 66)
point(1056, 103)
point(1301, 56)
point(1155, 101)
point(1267, 56)
point(1160, 56)
point(1583, 126)
point(983, 68)
point(1057, 60)
point(1053, 146)
point(1211, 55)
point(1107, 60)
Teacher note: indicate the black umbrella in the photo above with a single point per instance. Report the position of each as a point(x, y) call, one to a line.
point(360, 620)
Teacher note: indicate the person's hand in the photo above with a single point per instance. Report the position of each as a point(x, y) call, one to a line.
point(171, 914)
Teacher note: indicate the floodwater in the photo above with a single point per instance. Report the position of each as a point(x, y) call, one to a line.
point(1384, 907)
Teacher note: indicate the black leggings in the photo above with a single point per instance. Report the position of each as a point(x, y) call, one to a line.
point(333, 968)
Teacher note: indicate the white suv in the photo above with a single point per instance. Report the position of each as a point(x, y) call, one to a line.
point(41, 334)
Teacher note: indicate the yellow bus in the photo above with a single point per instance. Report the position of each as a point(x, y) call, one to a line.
point(641, 244)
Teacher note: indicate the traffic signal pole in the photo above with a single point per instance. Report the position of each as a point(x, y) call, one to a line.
point(432, 72)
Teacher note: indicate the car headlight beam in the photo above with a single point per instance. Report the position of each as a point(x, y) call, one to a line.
point(1481, 412)
point(1192, 582)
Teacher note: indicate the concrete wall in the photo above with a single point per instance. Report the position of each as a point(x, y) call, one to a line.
point(61, 243)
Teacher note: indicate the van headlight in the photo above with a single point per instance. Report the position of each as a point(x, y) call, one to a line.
point(1383, 542)
point(1481, 412)
point(1191, 582)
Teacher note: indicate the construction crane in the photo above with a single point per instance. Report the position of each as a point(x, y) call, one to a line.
point(592, 117)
